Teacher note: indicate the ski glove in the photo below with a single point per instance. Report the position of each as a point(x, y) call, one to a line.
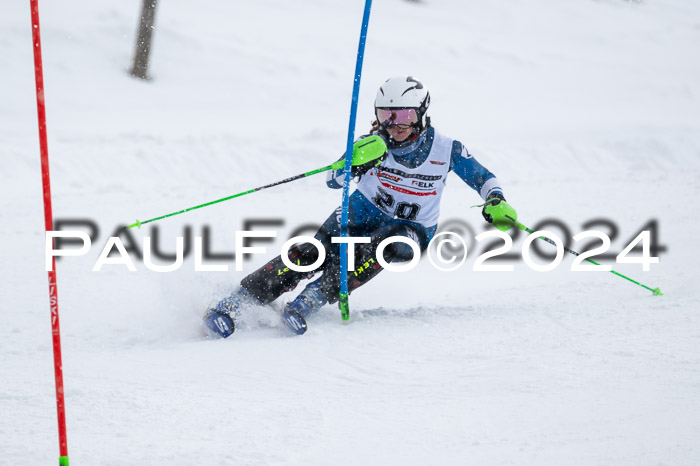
point(367, 153)
point(359, 170)
point(498, 212)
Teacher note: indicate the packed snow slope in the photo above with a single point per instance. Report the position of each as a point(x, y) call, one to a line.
point(586, 110)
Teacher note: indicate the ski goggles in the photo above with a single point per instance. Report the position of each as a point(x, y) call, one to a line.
point(389, 117)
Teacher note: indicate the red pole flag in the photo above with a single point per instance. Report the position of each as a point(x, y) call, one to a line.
point(48, 219)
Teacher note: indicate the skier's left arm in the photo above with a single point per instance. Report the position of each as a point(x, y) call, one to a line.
point(479, 178)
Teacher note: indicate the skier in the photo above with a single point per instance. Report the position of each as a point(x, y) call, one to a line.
point(397, 195)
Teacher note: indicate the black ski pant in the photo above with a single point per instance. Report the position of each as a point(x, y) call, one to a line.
point(274, 278)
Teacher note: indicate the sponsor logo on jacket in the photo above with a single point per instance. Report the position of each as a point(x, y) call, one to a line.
point(387, 176)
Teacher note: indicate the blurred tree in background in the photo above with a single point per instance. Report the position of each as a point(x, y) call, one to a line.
point(143, 42)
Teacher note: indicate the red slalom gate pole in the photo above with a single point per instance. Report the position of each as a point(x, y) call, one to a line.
point(48, 219)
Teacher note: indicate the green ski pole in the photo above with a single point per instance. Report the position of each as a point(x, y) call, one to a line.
point(656, 291)
point(364, 151)
point(287, 180)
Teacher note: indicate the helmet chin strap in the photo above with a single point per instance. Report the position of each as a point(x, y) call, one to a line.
point(393, 144)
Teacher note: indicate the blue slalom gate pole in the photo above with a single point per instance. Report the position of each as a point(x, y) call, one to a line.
point(347, 171)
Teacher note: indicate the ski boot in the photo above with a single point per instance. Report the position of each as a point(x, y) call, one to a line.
point(220, 320)
point(308, 302)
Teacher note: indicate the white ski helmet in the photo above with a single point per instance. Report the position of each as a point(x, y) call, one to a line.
point(403, 92)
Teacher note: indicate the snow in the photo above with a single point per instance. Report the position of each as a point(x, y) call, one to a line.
point(584, 110)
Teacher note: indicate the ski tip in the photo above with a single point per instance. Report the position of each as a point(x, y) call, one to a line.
point(657, 292)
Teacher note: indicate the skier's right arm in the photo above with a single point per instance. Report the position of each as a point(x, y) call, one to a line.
point(334, 178)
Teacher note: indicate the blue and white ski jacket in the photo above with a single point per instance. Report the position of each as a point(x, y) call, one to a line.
point(408, 184)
